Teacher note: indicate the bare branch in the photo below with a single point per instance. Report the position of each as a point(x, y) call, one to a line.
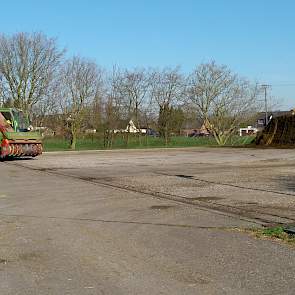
point(28, 63)
point(223, 100)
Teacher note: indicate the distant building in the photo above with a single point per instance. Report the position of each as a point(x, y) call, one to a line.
point(261, 118)
point(131, 128)
point(248, 131)
point(90, 131)
point(202, 131)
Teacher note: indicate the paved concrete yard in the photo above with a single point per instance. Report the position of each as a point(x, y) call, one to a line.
point(146, 222)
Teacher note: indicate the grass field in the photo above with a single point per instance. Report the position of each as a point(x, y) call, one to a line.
point(96, 142)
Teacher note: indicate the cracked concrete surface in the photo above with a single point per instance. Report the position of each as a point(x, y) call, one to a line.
point(62, 234)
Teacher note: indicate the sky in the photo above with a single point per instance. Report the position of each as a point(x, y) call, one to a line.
point(254, 38)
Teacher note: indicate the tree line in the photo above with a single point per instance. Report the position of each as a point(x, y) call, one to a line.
point(77, 93)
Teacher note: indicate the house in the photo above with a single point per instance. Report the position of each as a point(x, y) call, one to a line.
point(261, 118)
point(44, 131)
point(249, 130)
point(131, 128)
point(202, 131)
point(90, 131)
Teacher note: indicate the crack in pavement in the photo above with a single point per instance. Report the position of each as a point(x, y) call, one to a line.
point(191, 177)
point(117, 221)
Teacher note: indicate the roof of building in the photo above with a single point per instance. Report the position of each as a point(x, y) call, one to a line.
point(275, 114)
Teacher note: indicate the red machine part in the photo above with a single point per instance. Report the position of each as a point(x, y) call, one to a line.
point(17, 148)
point(20, 148)
point(5, 148)
point(2, 128)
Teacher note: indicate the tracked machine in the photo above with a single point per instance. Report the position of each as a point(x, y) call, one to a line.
point(16, 137)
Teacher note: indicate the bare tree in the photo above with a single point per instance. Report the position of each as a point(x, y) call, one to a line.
point(28, 63)
point(134, 87)
point(80, 81)
point(167, 91)
point(114, 107)
point(222, 99)
point(48, 107)
point(2, 92)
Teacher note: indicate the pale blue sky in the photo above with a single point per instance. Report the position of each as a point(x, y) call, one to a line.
point(254, 38)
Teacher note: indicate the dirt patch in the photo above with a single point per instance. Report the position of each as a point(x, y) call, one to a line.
point(279, 132)
point(29, 256)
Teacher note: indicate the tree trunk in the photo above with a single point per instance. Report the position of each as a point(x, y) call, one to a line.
point(166, 135)
point(138, 125)
point(73, 138)
point(73, 141)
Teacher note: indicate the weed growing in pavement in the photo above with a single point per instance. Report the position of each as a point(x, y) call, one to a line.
point(275, 233)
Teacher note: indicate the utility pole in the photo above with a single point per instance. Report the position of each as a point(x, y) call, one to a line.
point(265, 87)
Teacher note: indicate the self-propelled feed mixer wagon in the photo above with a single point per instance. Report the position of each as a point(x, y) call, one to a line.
point(16, 137)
